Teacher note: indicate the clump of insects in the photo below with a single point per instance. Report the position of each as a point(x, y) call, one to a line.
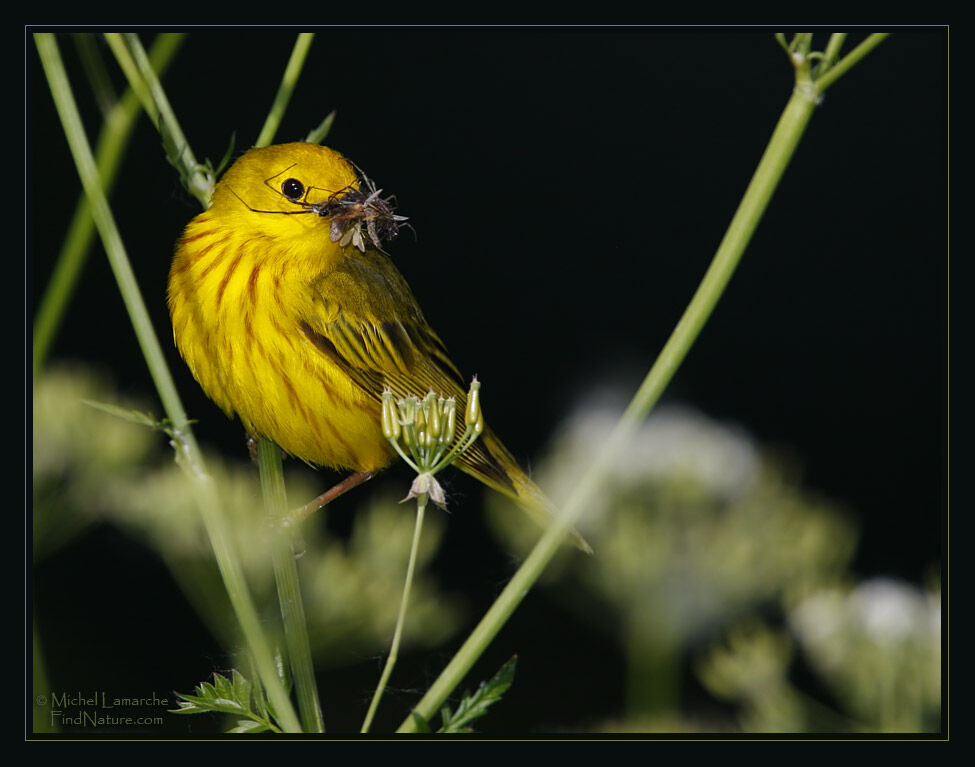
point(354, 214)
point(350, 210)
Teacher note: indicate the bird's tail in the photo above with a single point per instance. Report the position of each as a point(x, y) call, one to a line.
point(489, 461)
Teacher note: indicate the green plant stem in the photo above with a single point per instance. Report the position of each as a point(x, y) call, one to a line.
point(772, 165)
point(652, 669)
point(777, 154)
point(833, 47)
point(317, 134)
point(111, 145)
point(288, 81)
point(288, 586)
point(421, 503)
point(187, 452)
point(844, 65)
point(132, 58)
point(272, 478)
point(137, 83)
point(135, 64)
point(94, 67)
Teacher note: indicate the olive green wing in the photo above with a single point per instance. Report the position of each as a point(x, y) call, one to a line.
point(364, 318)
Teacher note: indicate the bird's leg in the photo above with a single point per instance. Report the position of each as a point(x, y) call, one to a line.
point(353, 480)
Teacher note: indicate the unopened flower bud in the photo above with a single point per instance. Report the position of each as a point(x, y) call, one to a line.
point(435, 418)
point(450, 412)
point(420, 419)
point(391, 427)
point(473, 403)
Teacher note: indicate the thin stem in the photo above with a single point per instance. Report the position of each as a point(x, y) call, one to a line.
point(317, 135)
point(138, 85)
point(402, 454)
point(134, 62)
point(187, 452)
point(94, 66)
point(288, 82)
point(421, 504)
point(111, 145)
point(289, 589)
point(847, 62)
point(833, 47)
point(780, 149)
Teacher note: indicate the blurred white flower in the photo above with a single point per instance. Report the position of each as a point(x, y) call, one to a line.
point(880, 609)
point(879, 646)
point(694, 525)
point(675, 441)
point(890, 610)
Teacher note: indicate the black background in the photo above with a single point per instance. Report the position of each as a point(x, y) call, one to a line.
point(569, 186)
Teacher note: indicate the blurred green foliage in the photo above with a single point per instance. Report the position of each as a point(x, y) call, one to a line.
point(90, 466)
point(710, 555)
point(709, 552)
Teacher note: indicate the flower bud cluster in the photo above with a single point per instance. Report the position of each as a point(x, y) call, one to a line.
point(424, 433)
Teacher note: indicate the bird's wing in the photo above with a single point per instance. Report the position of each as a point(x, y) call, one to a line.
point(364, 318)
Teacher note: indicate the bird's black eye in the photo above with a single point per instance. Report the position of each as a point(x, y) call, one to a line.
point(293, 189)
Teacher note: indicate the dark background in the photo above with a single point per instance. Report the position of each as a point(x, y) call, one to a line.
point(571, 187)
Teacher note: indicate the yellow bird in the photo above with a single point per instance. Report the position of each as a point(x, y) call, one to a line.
point(290, 315)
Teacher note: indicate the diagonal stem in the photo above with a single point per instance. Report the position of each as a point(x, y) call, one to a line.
point(779, 151)
point(112, 142)
point(288, 82)
point(847, 62)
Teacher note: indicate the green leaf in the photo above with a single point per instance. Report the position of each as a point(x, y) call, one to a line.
point(248, 725)
point(475, 706)
point(134, 416)
point(236, 696)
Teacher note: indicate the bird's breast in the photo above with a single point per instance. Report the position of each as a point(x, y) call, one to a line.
point(235, 320)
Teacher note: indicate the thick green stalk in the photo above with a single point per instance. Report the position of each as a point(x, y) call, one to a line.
point(112, 142)
point(289, 589)
point(421, 504)
point(188, 453)
point(779, 151)
point(272, 480)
